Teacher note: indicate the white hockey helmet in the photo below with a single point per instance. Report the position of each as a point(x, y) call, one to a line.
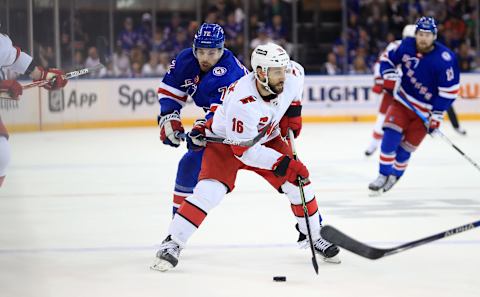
point(266, 56)
point(409, 31)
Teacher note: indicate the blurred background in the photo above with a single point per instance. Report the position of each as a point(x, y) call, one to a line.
point(326, 36)
point(337, 41)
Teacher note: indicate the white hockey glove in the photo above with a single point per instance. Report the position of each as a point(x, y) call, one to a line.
point(434, 121)
point(170, 128)
point(196, 137)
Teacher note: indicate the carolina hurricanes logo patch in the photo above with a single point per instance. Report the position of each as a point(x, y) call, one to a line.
point(219, 71)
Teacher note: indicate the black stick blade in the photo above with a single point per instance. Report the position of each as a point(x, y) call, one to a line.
point(341, 239)
point(315, 264)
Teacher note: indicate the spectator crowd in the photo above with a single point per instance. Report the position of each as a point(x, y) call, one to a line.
point(141, 51)
point(373, 24)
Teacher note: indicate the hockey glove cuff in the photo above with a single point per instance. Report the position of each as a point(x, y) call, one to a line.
point(291, 120)
point(390, 79)
point(291, 169)
point(434, 121)
point(170, 129)
point(54, 76)
point(196, 137)
point(378, 86)
point(12, 87)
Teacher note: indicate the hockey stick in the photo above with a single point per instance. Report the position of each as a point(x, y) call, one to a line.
point(438, 132)
point(341, 239)
point(40, 83)
point(68, 75)
point(304, 204)
point(246, 143)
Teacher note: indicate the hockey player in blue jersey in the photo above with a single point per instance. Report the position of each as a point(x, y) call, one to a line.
point(204, 73)
point(430, 83)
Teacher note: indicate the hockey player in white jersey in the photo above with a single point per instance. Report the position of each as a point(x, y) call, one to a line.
point(385, 94)
point(12, 58)
point(264, 101)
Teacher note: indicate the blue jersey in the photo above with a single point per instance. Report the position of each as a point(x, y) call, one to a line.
point(430, 81)
point(184, 78)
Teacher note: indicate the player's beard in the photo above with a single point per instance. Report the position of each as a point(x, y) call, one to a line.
point(277, 88)
point(204, 66)
point(424, 47)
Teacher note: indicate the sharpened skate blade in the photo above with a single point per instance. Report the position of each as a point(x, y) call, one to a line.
point(161, 265)
point(332, 260)
point(373, 193)
point(369, 153)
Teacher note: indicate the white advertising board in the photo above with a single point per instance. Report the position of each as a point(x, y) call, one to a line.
point(133, 102)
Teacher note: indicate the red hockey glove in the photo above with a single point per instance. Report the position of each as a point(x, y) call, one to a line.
point(55, 78)
point(292, 120)
point(196, 137)
point(390, 78)
point(291, 169)
point(294, 123)
point(378, 86)
point(377, 89)
point(12, 87)
point(170, 128)
point(434, 121)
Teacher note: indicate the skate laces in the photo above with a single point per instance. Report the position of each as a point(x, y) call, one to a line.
point(170, 247)
point(321, 244)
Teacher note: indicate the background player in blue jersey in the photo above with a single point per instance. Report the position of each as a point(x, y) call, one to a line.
point(430, 83)
point(203, 72)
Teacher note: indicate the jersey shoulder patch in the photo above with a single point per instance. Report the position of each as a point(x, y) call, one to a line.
point(219, 71)
point(446, 56)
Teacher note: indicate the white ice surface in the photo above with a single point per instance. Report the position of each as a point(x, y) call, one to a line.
point(81, 214)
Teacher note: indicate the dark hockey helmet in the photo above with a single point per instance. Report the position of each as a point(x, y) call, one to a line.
point(209, 36)
point(426, 24)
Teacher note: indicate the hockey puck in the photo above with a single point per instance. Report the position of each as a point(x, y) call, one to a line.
point(280, 278)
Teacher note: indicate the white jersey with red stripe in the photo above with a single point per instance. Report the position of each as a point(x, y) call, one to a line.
point(245, 113)
point(11, 57)
point(376, 67)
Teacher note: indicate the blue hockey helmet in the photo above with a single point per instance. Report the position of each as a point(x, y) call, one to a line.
point(209, 36)
point(426, 24)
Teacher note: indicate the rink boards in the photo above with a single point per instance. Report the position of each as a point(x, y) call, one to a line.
point(133, 102)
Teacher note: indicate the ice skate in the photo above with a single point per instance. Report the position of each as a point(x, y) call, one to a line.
point(167, 255)
point(376, 187)
point(372, 147)
point(327, 251)
point(391, 181)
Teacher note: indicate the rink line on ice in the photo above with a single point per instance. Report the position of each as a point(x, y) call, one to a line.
point(86, 195)
point(12, 127)
point(319, 190)
point(85, 250)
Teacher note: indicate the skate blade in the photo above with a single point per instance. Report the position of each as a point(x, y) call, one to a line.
point(332, 260)
point(161, 265)
point(369, 153)
point(377, 193)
